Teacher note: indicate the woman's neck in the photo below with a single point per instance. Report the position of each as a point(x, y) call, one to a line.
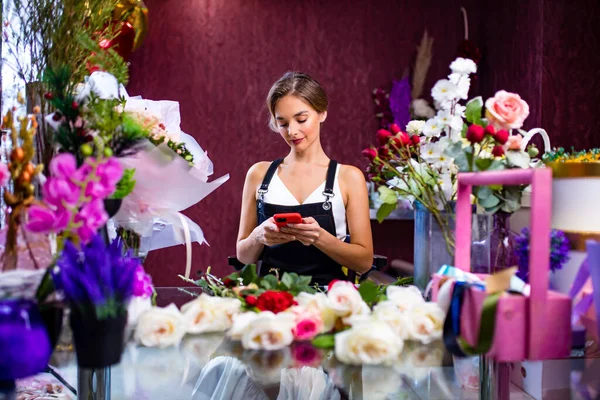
point(311, 155)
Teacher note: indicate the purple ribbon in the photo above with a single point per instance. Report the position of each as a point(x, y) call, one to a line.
point(593, 256)
point(589, 268)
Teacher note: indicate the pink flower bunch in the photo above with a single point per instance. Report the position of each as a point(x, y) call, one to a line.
point(74, 196)
point(142, 285)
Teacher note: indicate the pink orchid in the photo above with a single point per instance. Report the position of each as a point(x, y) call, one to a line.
point(63, 165)
point(92, 216)
point(4, 174)
point(142, 285)
point(110, 172)
point(56, 190)
point(42, 219)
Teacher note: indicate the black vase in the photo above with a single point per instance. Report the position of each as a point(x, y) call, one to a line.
point(52, 316)
point(98, 343)
point(112, 206)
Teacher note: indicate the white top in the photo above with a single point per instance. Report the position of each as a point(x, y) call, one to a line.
point(279, 194)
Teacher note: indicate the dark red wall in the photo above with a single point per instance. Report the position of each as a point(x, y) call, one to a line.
point(219, 58)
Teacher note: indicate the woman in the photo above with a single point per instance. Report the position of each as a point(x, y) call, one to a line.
point(331, 198)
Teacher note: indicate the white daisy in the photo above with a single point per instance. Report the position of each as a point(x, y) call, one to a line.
point(463, 66)
point(463, 83)
point(431, 152)
point(433, 127)
point(444, 90)
point(447, 118)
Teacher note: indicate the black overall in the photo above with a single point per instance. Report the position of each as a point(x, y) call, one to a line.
point(294, 256)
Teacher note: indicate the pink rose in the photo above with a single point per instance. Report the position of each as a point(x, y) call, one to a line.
point(4, 174)
point(514, 142)
point(506, 110)
point(307, 324)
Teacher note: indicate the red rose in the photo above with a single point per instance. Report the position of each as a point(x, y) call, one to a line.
point(415, 139)
point(490, 130)
point(251, 300)
point(383, 136)
point(401, 139)
point(370, 153)
point(502, 136)
point(394, 128)
point(274, 301)
point(475, 134)
point(384, 153)
point(498, 151)
point(228, 282)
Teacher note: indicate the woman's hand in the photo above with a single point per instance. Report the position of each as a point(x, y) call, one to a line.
point(307, 233)
point(269, 234)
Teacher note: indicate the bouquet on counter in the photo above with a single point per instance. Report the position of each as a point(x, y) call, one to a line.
point(421, 163)
point(365, 324)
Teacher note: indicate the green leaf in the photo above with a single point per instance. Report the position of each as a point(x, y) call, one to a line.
point(409, 280)
point(326, 341)
point(488, 202)
point(483, 164)
point(368, 291)
point(473, 111)
point(303, 281)
point(496, 165)
point(484, 192)
point(248, 274)
point(384, 210)
point(454, 150)
point(463, 133)
point(387, 195)
point(269, 282)
point(519, 159)
point(125, 185)
point(287, 280)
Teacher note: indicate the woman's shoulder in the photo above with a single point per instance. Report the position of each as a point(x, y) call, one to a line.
point(258, 171)
point(351, 175)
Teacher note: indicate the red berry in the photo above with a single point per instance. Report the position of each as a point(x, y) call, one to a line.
point(490, 130)
point(383, 153)
point(383, 136)
point(501, 136)
point(475, 134)
point(415, 139)
point(394, 128)
point(251, 300)
point(48, 96)
point(401, 139)
point(498, 151)
point(75, 105)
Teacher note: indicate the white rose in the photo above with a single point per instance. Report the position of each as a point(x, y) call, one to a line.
point(320, 303)
point(388, 312)
point(464, 66)
point(371, 342)
point(210, 314)
point(269, 332)
point(345, 299)
point(415, 127)
point(405, 297)
point(241, 323)
point(160, 327)
point(427, 322)
point(136, 307)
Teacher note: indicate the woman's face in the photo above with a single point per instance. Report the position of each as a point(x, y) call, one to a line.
point(297, 122)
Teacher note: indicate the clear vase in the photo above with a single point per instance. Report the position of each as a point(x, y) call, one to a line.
point(502, 243)
point(431, 251)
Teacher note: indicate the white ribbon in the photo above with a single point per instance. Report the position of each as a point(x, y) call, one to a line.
point(188, 245)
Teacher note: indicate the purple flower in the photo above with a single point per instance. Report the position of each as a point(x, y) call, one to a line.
point(400, 102)
point(41, 219)
point(96, 278)
point(63, 165)
point(559, 251)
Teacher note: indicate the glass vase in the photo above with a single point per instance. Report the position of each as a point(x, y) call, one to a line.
point(502, 243)
point(431, 251)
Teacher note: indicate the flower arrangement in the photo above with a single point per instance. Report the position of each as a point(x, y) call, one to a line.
point(559, 251)
point(560, 155)
point(422, 163)
point(271, 313)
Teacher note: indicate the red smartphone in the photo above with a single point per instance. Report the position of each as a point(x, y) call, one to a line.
point(282, 220)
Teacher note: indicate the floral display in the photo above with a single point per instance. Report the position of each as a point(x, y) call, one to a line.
point(559, 251)
point(421, 162)
point(562, 155)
